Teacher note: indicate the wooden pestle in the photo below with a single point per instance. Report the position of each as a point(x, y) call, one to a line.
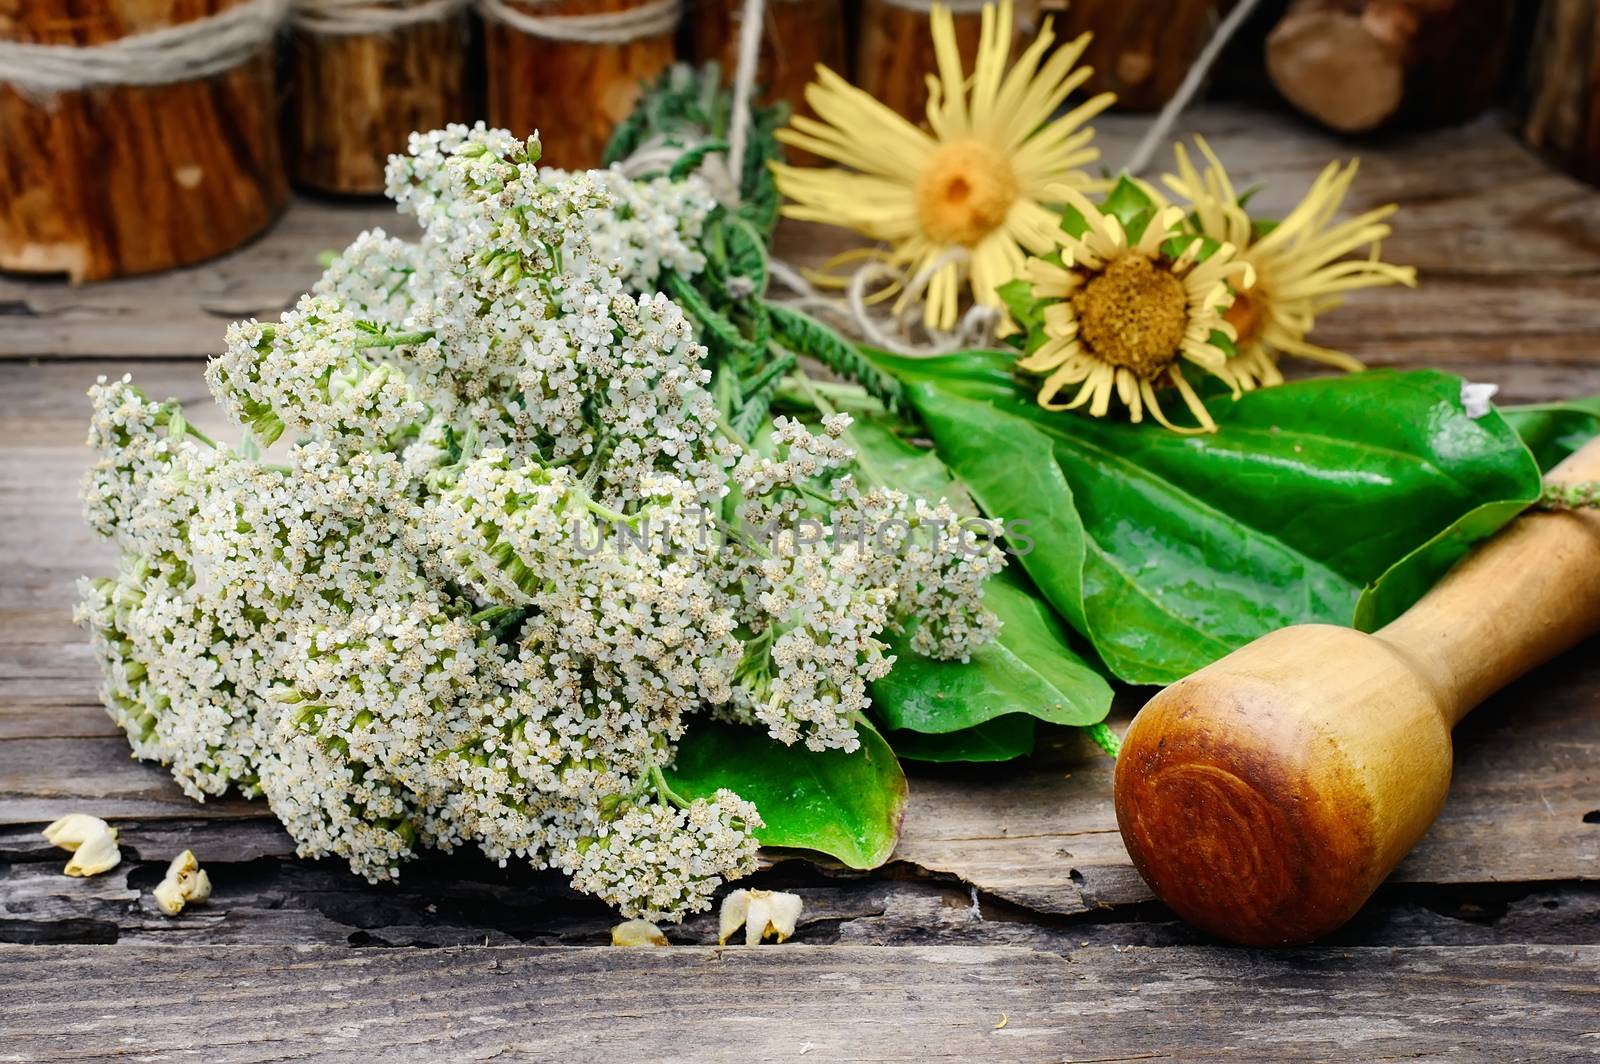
point(1265, 797)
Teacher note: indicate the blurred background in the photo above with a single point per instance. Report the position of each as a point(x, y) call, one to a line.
point(138, 135)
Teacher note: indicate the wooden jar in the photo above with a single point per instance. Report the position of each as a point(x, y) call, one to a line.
point(356, 97)
point(894, 54)
point(1561, 115)
point(108, 181)
point(797, 36)
point(1140, 51)
point(573, 92)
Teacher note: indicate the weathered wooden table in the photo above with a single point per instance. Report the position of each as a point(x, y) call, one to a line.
point(1009, 926)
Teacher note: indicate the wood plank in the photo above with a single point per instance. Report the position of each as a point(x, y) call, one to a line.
point(264, 894)
point(1041, 835)
point(955, 1003)
point(183, 312)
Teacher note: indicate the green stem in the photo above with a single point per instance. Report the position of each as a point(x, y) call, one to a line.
point(609, 514)
point(392, 339)
point(1105, 739)
point(1569, 496)
point(738, 536)
point(202, 437)
point(665, 791)
point(809, 389)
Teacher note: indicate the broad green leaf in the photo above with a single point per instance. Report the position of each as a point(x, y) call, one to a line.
point(885, 460)
point(1552, 431)
point(1168, 551)
point(1029, 669)
point(1000, 739)
point(848, 806)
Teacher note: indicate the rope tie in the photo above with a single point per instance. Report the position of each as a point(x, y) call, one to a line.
point(354, 17)
point(188, 51)
point(605, 27)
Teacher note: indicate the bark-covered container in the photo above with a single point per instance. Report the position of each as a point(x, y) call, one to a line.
point(894, 50)
point(798, 35)
point(101, 179)
point(362, 79)
point(1561, 114)
point(573, 69)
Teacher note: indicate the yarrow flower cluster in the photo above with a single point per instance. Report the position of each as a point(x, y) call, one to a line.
point(467, 594)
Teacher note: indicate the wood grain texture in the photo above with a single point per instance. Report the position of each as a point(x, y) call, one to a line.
point(894, 51)
point(1142, 52)
point(356, 98)
point(1561, 116)
point(109, 182)
point(571, 94)
point(957, 1003)
point(184, 312)
point(797, 36)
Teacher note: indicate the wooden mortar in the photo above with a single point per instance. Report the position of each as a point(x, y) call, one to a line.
point(357, 97)
point(573, 94)
point(1265, 797)
point(127, 179)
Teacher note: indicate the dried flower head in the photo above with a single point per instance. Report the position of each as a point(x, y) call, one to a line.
point(762, 914)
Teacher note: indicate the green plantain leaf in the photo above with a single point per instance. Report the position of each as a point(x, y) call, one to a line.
point(1000, 739)
point(1168, 551)
point(848, 806)
point(885, 460)
point(1554, 430)
point(1029, 669)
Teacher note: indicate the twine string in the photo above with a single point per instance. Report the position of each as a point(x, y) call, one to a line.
point(355, 17)
point(650, 19)
point(188, 51)
point(1161, 127)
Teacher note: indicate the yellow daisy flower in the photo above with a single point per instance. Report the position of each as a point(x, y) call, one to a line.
point(1298, 264)
point(962, 199)
point(1127, 312)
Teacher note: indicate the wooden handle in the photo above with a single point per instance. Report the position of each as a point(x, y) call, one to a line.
point(1527, 595)
point(1265, 797)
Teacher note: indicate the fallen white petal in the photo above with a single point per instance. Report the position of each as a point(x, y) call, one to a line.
point(763, 914)
point(95, 854)
point(1475, 397)
point(184, 882)
point(74, 829)
point(735, 907)
point(169, 895)
point(637, 933)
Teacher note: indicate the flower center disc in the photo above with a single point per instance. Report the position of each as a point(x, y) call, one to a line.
point(964, 193)
point(1133, 315)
